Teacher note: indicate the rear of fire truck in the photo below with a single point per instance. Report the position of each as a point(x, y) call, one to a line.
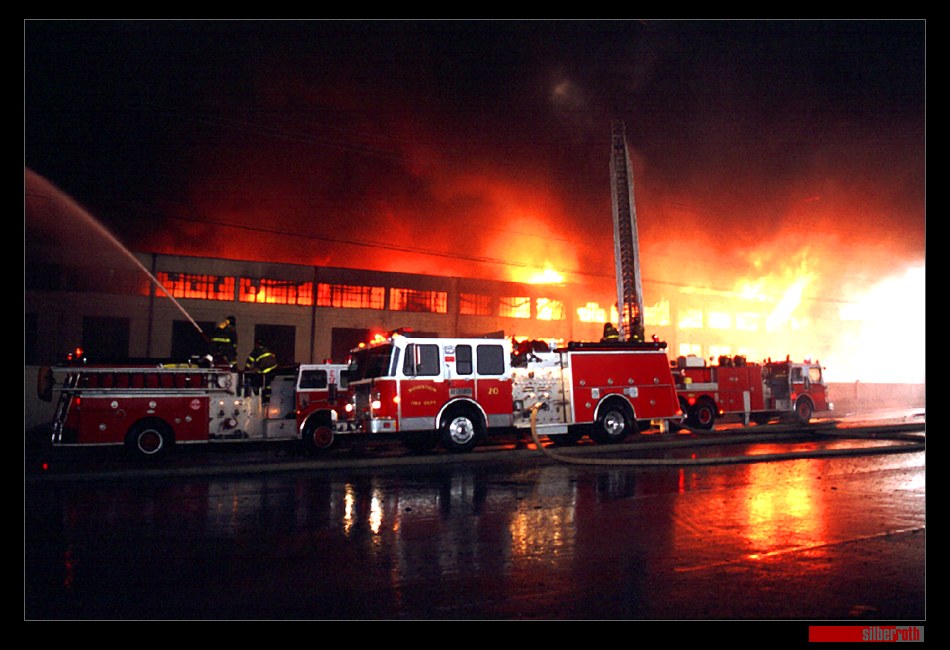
point(145, 408)
point(150, 409)
point(604, 390)
point(322, 396)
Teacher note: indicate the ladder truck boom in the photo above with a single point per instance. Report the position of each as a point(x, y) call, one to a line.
point(626, 241)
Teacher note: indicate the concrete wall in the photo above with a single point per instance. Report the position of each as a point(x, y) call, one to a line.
point(861, 397)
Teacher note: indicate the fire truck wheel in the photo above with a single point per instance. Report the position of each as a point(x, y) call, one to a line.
point(803, 410)
point(317, 436)
point(701, 415)
point(149, 438)
point(613, 425)
point(460, 430)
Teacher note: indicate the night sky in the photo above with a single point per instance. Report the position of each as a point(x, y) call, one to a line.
point(482, 147)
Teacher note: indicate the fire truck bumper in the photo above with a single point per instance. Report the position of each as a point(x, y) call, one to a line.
point(380, 425)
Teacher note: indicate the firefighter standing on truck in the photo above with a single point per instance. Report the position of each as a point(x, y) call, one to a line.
point(611, 333)
point(224, 342)
point(261, 363)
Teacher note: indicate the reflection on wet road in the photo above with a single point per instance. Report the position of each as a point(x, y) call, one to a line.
point(802, 539)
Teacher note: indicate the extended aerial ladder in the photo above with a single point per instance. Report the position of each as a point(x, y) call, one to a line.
point(626, 243)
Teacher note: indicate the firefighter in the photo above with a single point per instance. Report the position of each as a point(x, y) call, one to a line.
point(224, 342)
point(261, 359)
point(261, 363)
point(611, 334)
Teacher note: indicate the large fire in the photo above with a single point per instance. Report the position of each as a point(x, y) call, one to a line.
point(773, 298)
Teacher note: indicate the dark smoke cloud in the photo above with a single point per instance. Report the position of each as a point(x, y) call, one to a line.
point(409, 136)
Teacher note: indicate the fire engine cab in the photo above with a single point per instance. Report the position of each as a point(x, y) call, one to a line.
point(791, 391)
point(456, 390)
point(148, 409)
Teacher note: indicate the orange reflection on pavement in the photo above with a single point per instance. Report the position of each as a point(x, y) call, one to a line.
point(781, 507)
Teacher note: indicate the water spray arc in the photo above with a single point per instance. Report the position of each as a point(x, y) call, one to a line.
point(55, 194)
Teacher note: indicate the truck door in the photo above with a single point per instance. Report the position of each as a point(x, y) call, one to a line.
point(423, 389)
point(493, 383)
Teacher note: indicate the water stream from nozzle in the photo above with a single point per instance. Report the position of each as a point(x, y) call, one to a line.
point(53, 193)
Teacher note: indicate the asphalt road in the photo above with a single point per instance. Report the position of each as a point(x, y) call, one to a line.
point(501, 534)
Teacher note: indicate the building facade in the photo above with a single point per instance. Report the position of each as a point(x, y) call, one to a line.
point(162, 307)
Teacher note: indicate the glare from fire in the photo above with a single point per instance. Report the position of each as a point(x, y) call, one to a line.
point(546, 276)
point(875, 335)
point(791, 299)
point(887, 342)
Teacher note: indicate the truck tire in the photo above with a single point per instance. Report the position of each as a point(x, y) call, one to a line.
point(460, 430)
point(701, 415)
point(150, 438)
point(317, 436)
point(804, 410)
point(613, 424)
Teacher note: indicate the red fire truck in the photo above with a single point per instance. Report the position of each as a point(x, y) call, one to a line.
point(456, 390)
point(791, 391)
point(148, 409)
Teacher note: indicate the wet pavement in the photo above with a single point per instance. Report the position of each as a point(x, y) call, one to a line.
point(834, 538)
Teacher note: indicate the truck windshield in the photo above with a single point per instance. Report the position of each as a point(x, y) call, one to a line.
point(372, 362)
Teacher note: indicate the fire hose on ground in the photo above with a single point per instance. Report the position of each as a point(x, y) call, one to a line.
point(913, 443)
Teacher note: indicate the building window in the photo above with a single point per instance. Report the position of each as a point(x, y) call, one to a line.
point(190, 341)
point(690, 350)
point(720, 320)
point(350, 296)
point(275, 292)
point(657, 315)
point(435, 302)
point(549, 309)
point(515, 307)
point(106, 339)
point(747, 322)
point(475, 304)
point(94, 279)
point(691, 319)
point(196, 285)
point(591, 313)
